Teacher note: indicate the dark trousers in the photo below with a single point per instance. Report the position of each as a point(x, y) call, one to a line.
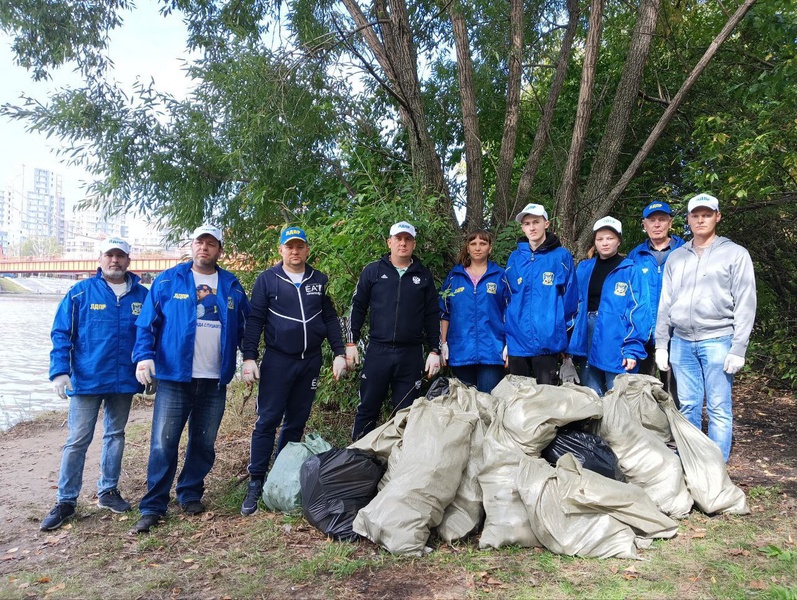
point(648, 367)
point(399, 368)
point(544, 368)
point(484, 377)
point(285, 395)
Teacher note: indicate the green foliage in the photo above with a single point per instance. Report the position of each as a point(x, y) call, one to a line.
point(772, 551)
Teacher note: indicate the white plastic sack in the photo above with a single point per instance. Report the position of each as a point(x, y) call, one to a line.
point(435, 449)
point(534, 411)
point(578, 512)
point(383, 439)
point(643, 457)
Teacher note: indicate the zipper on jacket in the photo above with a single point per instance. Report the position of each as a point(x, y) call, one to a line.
point(398, 300)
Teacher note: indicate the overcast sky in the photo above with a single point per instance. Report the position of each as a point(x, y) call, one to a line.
point(146, 46)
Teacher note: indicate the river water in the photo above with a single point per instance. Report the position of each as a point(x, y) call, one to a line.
point(25, 323)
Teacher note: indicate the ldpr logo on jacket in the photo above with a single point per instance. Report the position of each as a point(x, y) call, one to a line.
point(547, 278)
point(136, 308)
point(620, 288)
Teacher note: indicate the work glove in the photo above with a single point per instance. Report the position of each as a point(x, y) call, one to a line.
point(567, 372)
point(733, 364)
point(432, 365)
point(145, 371)
point(339, 367)
point(443, 354)
point(61, 383)
point(505, 356)
point(250, 372)
point(352, 356)
point(662, 359)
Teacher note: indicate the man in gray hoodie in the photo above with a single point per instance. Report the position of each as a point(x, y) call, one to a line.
point(708, 302)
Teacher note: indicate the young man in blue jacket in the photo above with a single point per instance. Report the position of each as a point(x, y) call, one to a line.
point(93, 336)
point(189, 343)
point(290, 305)
point(541, 278)
point(402, 298)
point(650, 257)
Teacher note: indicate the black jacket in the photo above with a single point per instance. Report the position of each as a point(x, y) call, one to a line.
point(296, 320)
point(403, 309)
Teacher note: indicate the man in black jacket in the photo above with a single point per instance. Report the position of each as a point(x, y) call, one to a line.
point(290, 304)
point(402, 297)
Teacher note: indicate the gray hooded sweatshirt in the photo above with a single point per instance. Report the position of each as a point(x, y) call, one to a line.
point(708, 296)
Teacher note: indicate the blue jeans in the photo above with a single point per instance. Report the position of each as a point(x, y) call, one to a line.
point(83, 412)
point(592, 377)
point(699, 371)
point(201, 404)
point(287, 390)
point(484, 377)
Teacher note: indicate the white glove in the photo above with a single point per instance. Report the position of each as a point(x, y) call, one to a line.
point(145, 371)
point(505, 355)
point(61, 383)
point(567, 372)
point(662, 359)
point(432, 364)
point(250, 371)
point(443, 354)
point(339, 367)
point(352, 356)
point(733, 364)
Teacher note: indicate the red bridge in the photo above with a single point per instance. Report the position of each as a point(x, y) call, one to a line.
point(31, 265)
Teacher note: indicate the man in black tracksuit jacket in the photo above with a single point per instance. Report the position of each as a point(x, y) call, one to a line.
point(289, 303)
point(402, 297)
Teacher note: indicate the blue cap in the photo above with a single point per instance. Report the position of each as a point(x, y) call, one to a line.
point(656, 206)
point(292, 233)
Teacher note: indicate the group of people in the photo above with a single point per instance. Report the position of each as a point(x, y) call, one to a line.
point(686, 308)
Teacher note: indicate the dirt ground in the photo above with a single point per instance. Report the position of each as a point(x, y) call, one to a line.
point(764, 454)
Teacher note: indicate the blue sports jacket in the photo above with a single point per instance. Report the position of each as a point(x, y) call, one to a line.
point(475, 315)
point(167, 324)
point(624, 318)
point(652, 273)
point(543, 298)
point(296, 320)
point(403, 310)
point(93, 335)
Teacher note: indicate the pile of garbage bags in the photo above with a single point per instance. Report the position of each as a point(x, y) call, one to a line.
point(530, 465)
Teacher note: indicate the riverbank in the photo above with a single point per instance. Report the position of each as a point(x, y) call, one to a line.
point(221, 554)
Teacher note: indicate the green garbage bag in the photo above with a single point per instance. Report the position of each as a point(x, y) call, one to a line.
point(282, 490)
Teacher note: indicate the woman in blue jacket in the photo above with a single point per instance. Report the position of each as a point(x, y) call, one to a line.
point(472, 304)
point(613, 317)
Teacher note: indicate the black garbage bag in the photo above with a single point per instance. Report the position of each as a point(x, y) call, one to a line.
point(335, 486)
point(590, 450)
point(439, 387)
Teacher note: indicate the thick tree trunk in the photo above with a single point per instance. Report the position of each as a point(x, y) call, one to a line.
point(474, 186)
point(566, 201)
point(542, 134)
point(506, 156)
point(606, 203)
point(607, 156)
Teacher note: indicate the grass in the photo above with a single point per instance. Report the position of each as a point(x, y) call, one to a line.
point(222, 554)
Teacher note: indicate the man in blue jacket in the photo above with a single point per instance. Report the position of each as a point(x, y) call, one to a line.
point(289, 303)
point(93, 336)
point(401, 295)
point(650, 256)
point(191, 349)
point(541, 278)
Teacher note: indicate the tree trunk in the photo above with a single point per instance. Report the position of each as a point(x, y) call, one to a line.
point(566, 201)
point(474, 186)
point(542, 134)
point(506, 155)
point(606, 204)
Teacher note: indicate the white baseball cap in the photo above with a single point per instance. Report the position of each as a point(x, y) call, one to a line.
point(402, 227)
point(113, 243)
point(706, 200)
point(532, 209)
point(207, 229)
point(609, 223)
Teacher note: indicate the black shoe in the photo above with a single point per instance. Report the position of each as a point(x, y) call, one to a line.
point(253, 493)
point(193, 507)
point(114, 502)
point(60, 513)
point(147, 522)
